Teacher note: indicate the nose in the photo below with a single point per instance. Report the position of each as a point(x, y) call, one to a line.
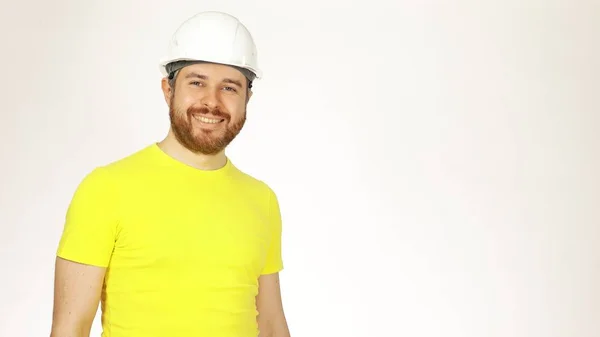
point(210, 99)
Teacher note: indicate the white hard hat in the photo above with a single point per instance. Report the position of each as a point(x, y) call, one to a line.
point(214, 37)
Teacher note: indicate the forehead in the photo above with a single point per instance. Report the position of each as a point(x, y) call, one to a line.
point(213, 72)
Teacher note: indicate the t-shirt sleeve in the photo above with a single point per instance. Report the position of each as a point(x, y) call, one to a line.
point(274, 263)
point(90, 226)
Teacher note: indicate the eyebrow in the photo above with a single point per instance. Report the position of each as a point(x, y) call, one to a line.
point(204, 77)
point(232, 81)
point(192, 75)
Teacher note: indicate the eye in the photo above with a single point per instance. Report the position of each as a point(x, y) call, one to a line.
point(196, 83)
point(232, 89)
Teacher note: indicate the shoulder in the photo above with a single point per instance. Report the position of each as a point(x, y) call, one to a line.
point(104, 180)
point(254, 183)
point(133, 162)
point(120, 168)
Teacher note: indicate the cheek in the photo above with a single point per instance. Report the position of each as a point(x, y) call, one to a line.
point(186, 102)
point(235, 107)
point(182, 98)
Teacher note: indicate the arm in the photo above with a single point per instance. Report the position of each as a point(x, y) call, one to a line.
point(77, 289)
point(83, 254)
point(271, 317)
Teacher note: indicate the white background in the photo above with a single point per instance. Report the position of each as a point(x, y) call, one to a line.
point(436, 162)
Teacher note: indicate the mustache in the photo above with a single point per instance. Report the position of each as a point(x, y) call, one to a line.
point(217, 112)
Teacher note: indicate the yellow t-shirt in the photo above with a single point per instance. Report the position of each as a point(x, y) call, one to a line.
point(183, 247)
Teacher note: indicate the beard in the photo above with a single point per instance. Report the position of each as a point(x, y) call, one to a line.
point(204, 141)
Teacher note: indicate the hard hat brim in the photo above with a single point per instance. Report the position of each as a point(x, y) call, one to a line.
point(163, 65)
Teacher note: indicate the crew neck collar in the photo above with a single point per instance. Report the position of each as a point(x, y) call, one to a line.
point(165, 158)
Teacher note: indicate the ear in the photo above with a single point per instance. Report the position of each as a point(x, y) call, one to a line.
point(167, 90)
point(248, 95)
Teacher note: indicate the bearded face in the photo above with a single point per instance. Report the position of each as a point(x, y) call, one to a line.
point(204, 130)
point(207, 107)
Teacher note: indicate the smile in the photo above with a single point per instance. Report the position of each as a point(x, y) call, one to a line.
point(207, 120)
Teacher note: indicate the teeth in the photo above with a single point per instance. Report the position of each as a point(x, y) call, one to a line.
point(207, 120)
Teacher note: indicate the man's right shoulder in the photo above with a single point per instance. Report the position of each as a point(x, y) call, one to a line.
point(122, 168)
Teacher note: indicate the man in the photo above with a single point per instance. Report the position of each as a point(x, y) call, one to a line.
point(174, 240)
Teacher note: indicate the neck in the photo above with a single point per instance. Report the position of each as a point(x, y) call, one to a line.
point(171, 146)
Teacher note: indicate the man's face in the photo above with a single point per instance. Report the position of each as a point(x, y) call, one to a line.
point(207, 106)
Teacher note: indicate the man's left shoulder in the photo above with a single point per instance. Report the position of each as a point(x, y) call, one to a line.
point(255, 183)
